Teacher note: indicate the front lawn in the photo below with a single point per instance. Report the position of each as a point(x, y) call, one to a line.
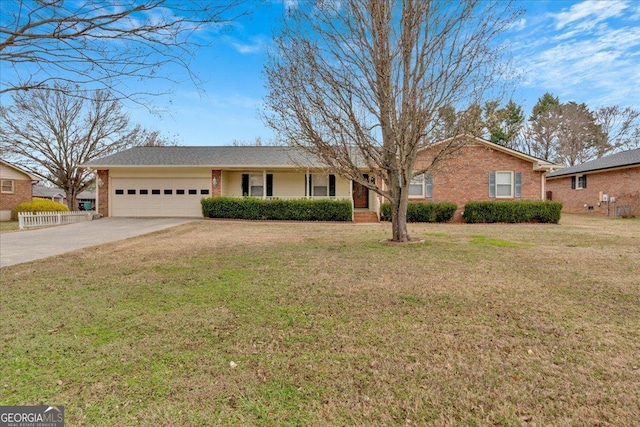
point(251, 323)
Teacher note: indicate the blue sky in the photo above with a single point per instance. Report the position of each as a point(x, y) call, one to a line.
point(583, 51)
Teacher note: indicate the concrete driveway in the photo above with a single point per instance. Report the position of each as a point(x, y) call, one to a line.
point(23, 246)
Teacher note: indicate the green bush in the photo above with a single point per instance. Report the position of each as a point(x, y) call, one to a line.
point(274, 209)
point(514, 212)
point(40, 205)
point(423, 211)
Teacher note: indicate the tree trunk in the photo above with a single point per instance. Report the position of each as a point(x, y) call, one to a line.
point(399, 216)
point(72, 199)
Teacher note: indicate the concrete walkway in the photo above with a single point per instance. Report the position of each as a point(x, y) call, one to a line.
point(24, 246)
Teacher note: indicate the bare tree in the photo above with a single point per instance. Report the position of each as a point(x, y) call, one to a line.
point(543, 127)
point(620, 125)
point(360, 83)
point(102, 44)
point(580, 138)
point(52, 133)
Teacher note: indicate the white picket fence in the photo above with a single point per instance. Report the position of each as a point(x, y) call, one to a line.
point(44, 219)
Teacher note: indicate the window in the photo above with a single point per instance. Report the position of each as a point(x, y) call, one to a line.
point(253, 185)
point(131, 191)
point(579, 182)
point(322, 185)
point(168, 191)
point(505, 184)
point(8, 186)
point(204, 191)
point(421, 186)
point(119, 191)
point(144, 191)
point(193, 191)
point(179, 191)
point(256, 185)
point(155, 191)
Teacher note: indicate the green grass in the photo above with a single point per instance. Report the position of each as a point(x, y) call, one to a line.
point(225, 323)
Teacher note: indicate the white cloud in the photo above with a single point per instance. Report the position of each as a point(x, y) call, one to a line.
point(254, 45)
point(596, 10)
point(587, 53)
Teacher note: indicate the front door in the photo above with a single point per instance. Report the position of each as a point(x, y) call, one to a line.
point(360, 196)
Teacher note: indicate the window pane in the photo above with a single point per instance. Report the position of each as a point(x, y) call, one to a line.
point(256, 180)
point(503, 190)
point(503, 178)
point(320, 180)
point(7, 186)
point(320, 191)
point(415, 190)
point(503, 184)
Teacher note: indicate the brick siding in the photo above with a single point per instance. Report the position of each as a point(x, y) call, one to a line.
point(216, 190)
point(103, 193)
point(464, 177)
point(623, 184)
point(22, 191)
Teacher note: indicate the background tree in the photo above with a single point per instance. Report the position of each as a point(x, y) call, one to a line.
point(101, 44)
point(503, 124)
point(620, 125)
point(364, 83)
point(580, 138)
point(543, 127)
point(51, 133)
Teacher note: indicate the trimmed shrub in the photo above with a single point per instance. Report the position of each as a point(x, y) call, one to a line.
point(274, 209)
point(41, 205)
point(513, 212)
point(423, 211)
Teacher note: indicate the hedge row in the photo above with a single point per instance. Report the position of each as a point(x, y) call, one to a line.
point(423, 211)
point(40, 205)
point(293, 210)
point(519, 211)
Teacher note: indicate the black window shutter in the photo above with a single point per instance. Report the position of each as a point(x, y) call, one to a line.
point(332, 186)
point(573, 182)
point(269, 185)
point(245, 184)
point(584, 181)
point(492, 184)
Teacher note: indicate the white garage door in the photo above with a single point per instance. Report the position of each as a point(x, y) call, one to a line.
point(177, 197)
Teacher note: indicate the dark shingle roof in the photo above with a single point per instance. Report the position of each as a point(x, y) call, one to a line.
point(624, 158)
point(206, 156)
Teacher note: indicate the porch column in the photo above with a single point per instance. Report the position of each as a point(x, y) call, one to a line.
point(264, 184)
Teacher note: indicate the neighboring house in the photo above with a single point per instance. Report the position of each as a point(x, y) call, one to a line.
point(481, 171)
point(609, 185)
point(170, 181)
point(15, 187)
point(50, 193)
point(86, 199)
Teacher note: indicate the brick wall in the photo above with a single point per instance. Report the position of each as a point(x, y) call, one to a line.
point(623, 184)
point(464, 176)
point(216, 190)
point(103, 193)
point(22, 191)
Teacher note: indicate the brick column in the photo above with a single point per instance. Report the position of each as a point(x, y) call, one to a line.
point(103, 193)
point(216, 190)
